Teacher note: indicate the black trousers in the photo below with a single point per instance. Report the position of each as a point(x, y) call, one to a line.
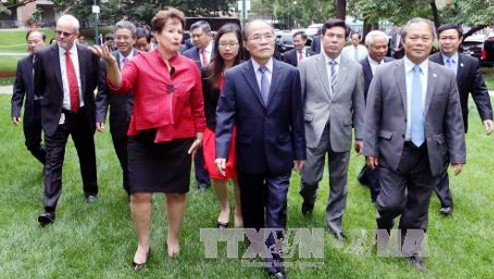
point(77, 126)
point(120, 145)
point(442, 189)
point(406, 192)
point(32, 132)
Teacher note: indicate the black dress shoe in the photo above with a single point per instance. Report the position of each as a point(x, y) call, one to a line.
point(417, 263)
point(138, 266)
point(446, 211)
point(307, 208)
point(340, 236)
point(278, 275)
point(222, 225)
point(90, 198)
point(46, 218)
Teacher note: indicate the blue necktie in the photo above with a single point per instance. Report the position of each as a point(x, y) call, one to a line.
point(264, 84)
point(417, 129)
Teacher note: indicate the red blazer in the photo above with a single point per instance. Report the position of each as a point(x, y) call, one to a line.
point(171, 104)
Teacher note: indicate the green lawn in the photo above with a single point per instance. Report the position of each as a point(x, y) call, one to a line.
point(98, 241)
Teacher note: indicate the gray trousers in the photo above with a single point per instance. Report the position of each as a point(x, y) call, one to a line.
point(312, 173)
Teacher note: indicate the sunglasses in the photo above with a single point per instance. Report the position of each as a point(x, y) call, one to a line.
point(65, 34)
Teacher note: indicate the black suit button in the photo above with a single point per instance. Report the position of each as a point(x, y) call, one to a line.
point(402, 136)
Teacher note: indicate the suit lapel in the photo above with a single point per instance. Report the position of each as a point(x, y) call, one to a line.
point(250, 78)
point(459, 70)
point(277, 72)
point(55, 56)
point(431, 83)
point(83, 59)
point(322, 72)
point(367, 69)
point(342, 75)
point(401, 81)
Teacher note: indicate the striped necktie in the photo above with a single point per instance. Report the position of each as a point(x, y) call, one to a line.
point(334, 76)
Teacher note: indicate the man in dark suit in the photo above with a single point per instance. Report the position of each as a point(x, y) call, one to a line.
point(24, 88)
point(396, 44)
point(66, 75)
point(120, 104)
point(315, 46)
point(469, 80)
point(333, 99)
point(202, 53)
point(413, 128)
point(377, 46)
point(299, 51)
point(262, 99)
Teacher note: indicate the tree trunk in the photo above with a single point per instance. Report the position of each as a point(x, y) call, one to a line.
point(435, 13)
point(340, 10)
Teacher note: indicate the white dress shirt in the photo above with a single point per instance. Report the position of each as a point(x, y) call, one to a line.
point(328, 68)
point(65, 79)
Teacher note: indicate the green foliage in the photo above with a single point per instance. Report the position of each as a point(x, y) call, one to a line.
point(140, 11)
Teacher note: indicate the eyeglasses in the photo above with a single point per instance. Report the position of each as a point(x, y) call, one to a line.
point(258, 37)
point(122, 38)
point(65, 34)
point(229, 44)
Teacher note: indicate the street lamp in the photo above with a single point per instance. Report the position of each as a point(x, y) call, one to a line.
point(96, 12)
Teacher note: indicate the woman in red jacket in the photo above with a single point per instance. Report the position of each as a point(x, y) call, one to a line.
point(165, 129)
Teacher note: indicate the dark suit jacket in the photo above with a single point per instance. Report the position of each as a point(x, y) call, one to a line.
point(315, 47)
point(269, 137)
point(23, 87)
point(48, 85)
point(366, 69)
point(120, 106)
point(194, 54)
point(469, 80)
point(291, 57)
point(385, 117)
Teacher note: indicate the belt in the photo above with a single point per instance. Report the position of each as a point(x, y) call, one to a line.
point(411, 146)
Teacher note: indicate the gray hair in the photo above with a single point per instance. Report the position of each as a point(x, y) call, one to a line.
point(404, 30)
point(374, 33)
point(125, 24)
point(204, 25)
point(70, 19)
point(246, 29)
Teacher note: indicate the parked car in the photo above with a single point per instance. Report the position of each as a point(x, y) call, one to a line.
point(480, 47)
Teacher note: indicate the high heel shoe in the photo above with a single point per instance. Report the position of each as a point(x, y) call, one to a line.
point(222, 225)
point(138, 266)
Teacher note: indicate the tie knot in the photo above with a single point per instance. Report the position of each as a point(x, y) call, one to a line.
point(67, 53)
point(263, 69)
point(416, 69)
point(333, 63)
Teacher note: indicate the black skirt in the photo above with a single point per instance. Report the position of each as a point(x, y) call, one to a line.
point(158, 167)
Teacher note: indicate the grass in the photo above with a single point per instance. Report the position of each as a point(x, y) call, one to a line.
point(98, 241)
point(488, 74)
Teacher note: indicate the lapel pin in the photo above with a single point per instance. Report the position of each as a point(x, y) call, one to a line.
point(461, 65)
point(434, 75)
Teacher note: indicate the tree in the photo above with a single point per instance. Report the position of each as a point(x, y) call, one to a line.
point(7, 6)
point(340, 10)
point(139, 10)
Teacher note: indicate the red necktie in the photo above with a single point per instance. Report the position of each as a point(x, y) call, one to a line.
point(204, 58)
point(300, 55)
point(73, 86)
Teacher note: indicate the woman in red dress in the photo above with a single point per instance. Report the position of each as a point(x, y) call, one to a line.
point(226, 55)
